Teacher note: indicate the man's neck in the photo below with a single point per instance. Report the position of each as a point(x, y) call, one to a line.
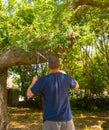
point(54, 70)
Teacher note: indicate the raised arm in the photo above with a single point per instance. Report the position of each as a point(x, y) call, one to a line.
point(29, 93)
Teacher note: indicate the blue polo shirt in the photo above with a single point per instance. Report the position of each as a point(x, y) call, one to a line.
point(54, 90)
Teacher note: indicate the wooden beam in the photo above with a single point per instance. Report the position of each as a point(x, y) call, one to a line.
point(92, 3)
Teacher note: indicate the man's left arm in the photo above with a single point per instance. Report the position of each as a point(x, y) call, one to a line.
point(29, 92)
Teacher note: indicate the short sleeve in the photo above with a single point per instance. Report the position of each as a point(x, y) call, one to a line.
point(71, 82)
point(37, 87)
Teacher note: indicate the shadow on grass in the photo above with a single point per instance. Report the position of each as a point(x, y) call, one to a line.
point(105, 125)
point(24, 119)
point(92, 121)
point(31, 119)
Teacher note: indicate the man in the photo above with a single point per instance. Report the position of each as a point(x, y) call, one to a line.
point(54, 90)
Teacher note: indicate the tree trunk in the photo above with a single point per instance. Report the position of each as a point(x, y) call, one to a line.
point(3, 99)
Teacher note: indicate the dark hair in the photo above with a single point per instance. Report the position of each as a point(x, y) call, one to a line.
point(53, 62)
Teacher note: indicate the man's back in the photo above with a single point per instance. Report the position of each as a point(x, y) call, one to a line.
point(54, 90)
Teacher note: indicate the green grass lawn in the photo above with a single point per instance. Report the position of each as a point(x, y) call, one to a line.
point(31, 119)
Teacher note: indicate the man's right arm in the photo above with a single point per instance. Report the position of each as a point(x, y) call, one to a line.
point(73, 83)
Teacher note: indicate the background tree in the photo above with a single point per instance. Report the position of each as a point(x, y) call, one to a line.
point(49, 27)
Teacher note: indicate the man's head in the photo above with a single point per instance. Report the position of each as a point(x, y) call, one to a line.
point(53, 62)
